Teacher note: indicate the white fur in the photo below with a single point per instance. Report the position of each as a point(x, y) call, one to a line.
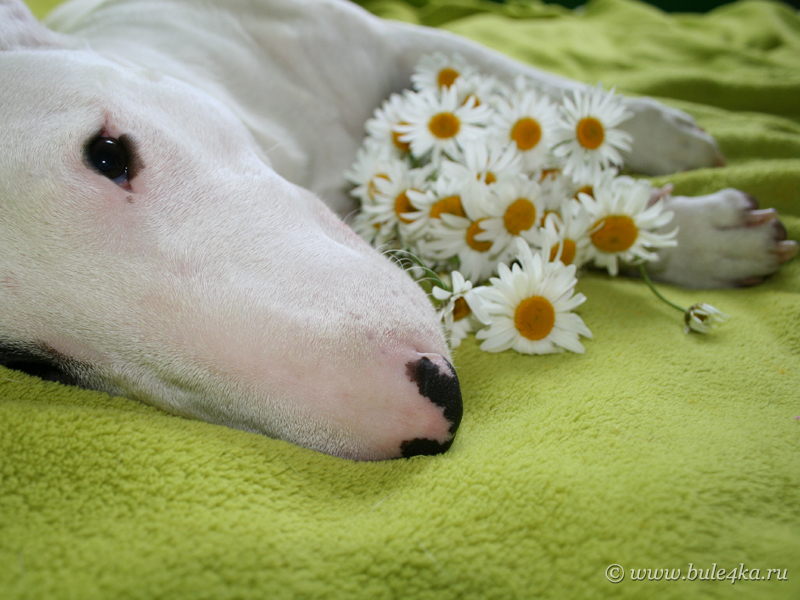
point(219, 286)
point(304, 76)
point(723, 241)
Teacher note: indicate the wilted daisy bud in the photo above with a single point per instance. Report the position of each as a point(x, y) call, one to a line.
point(702, 317)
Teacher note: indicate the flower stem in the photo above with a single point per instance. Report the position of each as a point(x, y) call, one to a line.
point(649, 283)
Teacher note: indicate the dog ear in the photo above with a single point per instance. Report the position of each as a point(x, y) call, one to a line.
point(20, 29)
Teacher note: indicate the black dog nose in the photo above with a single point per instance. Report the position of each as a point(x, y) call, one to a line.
point(437, 381)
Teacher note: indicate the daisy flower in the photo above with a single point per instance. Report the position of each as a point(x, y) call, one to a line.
point(622, 224)
point(554, 189)
point(702, 317)
point(417, 218)
point(442, 196)
point(456, 311)
point(381, 126)
point(482, 88)
point(515, 210)
point(436, 71)
point(483, 160)
point(565, 235)
point(527, 122)
point(529, 307)
point(606, 177)
point(470, 173)
point(454, 236)
point(437, 123)
point(371, 164)
point(391, 204)
point(372, 230)
point(586, 136)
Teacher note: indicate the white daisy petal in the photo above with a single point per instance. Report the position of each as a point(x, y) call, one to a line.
point(623, 226)
point(585, 137)
point(436, 123)
point(437, 70)
point(471, 174)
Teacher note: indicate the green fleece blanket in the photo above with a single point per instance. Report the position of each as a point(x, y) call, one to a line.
point(654, 450)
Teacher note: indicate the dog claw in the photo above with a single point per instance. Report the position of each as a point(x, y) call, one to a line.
point(752, 201)
point(759, 217)
point(780, 231)
point(786, 250)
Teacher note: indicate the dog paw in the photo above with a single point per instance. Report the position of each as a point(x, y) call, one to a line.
point(724, 240)
point(667, 140)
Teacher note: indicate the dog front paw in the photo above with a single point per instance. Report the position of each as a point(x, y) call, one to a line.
point(724, 240)
point(667, 140)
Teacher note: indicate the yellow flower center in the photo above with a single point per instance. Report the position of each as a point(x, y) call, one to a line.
point(519, 216)
point(460, 309)
point(403, 205)
point(477, 245)
point(535, 318)
point(567, 252)
point(451, 205)
point(526, 133)
point(615, 233)
point(398, 143)
point(590, 133)
point(447, 77)
point(587, 189)
point(444, 125)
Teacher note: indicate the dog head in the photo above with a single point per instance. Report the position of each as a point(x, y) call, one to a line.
point(149, 250)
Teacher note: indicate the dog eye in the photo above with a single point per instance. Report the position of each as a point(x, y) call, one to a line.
point(109, 157)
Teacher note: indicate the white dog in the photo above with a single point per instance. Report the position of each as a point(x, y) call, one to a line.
point(163, 238)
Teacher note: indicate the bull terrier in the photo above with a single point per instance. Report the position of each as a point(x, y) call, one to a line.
point(171, 179)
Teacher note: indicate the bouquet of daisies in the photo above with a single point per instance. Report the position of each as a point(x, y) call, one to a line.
point(499, 195)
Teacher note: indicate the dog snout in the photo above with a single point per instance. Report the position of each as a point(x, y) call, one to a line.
point(437, 381)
